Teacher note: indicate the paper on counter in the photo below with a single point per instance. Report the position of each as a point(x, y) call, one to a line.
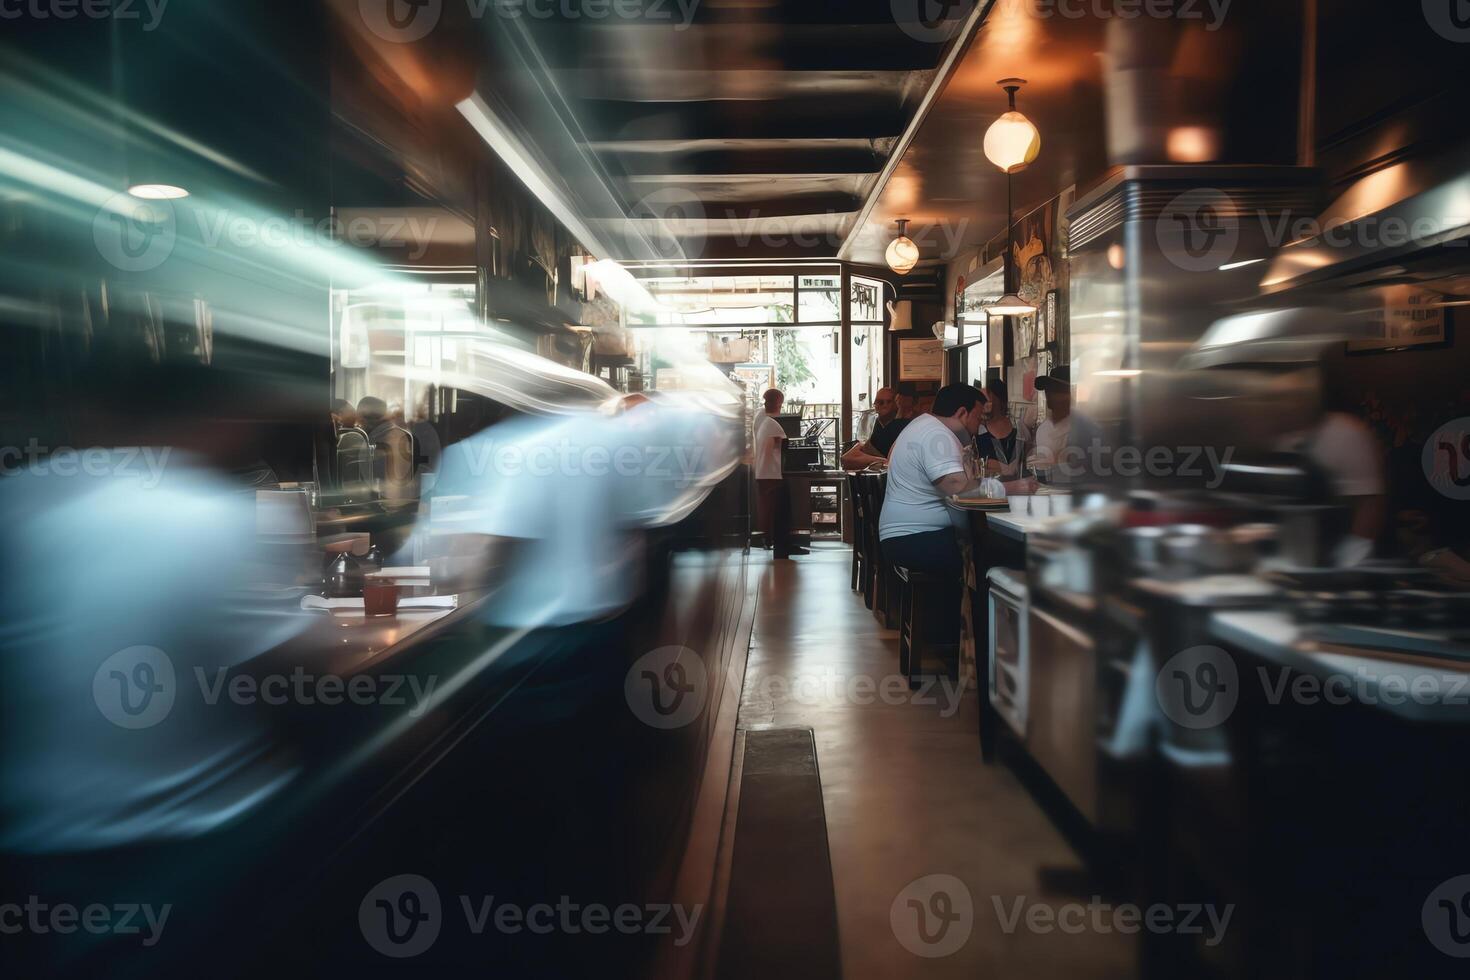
point(404, 603)
point(404, 571)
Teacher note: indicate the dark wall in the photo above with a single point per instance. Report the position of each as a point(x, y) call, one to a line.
point(1388, 87)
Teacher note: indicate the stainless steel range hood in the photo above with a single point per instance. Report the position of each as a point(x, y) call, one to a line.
point(1158, 254)
point(1386, 218)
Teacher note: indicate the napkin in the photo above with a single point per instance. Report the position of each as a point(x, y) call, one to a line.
point(404, 602)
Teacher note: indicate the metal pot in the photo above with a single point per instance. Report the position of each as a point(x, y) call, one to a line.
point(1145, 546)
point(1307, 535)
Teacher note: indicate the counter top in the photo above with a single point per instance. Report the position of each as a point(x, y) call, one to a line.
point(1015, 526)
point(1411, 687)
point(1209, 590)
point(816, 474)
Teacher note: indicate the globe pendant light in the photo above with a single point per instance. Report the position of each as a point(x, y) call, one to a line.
point(902, 254)
point(1009, 155)
point(1012, 142)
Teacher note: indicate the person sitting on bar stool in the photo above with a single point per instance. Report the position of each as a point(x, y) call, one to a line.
point(926, 466)
point(344, 416)
point(393, 466)
point(886, 430)
point(1002, 443)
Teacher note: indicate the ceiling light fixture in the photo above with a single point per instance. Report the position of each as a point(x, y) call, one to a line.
point(902, 254)
point(157, 192)
point(1012, 142)
point(1011, 304)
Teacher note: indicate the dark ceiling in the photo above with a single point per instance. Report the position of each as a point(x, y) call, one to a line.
point(1236, 80)
point(688, 129)
point(759, 128)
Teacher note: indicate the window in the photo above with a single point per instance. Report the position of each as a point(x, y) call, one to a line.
point(395, 339)
point(865, 305)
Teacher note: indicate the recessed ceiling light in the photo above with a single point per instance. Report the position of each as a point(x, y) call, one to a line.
point(157, 192)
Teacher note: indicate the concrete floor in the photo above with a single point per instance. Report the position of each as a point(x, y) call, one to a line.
point(907, 797)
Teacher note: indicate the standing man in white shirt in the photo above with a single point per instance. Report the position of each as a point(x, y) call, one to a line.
point(773, 502)
point(918, 527)
point(1065, 441)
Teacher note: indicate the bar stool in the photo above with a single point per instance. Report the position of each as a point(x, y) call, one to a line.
point(887, 589)
point(875, 596)
point(928, 622)
point(862, 565)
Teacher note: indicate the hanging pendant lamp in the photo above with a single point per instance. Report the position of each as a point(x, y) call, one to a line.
point(902, 254)
point(1006, 148)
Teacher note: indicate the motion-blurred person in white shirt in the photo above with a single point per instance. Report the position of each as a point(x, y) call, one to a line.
point(1354, 462)
point(130, 574)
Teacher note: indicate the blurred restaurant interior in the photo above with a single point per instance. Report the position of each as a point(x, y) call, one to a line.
point(725, 489)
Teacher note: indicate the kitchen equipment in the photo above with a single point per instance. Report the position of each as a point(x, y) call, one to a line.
point(1008, 646)
point(1145, 547)
point(1061, 712)
point(1308, 534)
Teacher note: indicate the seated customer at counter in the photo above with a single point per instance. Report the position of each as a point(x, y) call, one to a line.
point(1002, 444)
point(926, 466)
point(885, 432)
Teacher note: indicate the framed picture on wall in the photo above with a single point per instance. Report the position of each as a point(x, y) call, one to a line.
point(1037, 400)
point(1049, 318)
point(995, 342)
point(920, 360)
point(1026, 335)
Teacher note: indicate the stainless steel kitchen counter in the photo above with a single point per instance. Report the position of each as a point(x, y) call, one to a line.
point(1411, 687)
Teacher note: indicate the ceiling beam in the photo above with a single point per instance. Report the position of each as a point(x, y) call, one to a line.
point(814, 118)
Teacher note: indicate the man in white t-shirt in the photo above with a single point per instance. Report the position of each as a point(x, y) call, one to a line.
point(773, 502)
point(1345, 447)
point(926, 466)
point(1065, 441)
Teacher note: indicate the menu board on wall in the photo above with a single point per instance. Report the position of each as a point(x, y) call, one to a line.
point(1408, 317)
point(920, 360)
